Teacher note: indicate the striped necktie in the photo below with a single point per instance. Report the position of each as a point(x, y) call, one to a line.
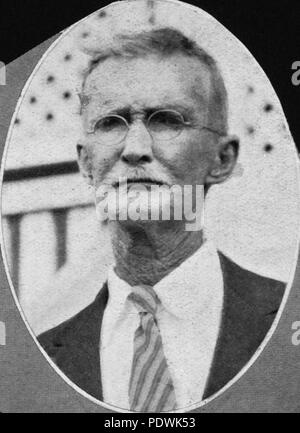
point(151, 387)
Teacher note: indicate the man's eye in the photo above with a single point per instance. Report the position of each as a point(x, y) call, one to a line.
point(109, 123)
point(166, 120)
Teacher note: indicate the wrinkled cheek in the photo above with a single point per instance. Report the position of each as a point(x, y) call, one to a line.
point(102, 162)
point(188, 160)
point(189, 168)
point(201, 160)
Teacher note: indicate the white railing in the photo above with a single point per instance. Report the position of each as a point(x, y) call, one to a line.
point(47, 223)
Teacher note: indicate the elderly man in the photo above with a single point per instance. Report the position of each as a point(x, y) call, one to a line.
point(176, 319)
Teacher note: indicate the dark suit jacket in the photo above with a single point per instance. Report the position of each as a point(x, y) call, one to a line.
point(250, 305)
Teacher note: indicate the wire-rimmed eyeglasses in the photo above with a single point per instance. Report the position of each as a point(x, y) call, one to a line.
point(162, 125)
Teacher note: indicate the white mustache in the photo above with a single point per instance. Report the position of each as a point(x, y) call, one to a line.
point(117, 177)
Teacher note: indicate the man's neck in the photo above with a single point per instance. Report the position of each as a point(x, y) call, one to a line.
point(146, 253)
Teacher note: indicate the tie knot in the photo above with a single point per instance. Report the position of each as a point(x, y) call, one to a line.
point(145, 299)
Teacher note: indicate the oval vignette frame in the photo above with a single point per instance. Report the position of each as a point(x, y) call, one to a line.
point(272, 329)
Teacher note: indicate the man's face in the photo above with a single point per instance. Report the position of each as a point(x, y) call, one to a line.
point(134, 88)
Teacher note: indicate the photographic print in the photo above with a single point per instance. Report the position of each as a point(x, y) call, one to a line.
point(150, 207)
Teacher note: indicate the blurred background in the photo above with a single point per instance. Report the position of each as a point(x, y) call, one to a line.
point(56, 252)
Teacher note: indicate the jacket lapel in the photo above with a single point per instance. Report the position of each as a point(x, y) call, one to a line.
point(78, 353)
point(250, 305)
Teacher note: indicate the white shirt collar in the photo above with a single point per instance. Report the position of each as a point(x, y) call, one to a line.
point(188, 289)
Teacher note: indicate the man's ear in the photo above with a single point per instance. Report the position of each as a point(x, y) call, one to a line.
point(225, 161)
point(84, 163)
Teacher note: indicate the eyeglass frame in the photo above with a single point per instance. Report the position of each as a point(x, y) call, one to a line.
point(146, 124)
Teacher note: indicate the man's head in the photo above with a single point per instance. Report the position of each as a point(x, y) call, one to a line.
point(124, 88)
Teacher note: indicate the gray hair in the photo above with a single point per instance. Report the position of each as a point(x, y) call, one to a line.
point(166, 42)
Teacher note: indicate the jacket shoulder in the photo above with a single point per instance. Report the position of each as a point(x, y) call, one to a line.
point(53, 339)
point(68, 331)
point(262, 292)
point(251, 302)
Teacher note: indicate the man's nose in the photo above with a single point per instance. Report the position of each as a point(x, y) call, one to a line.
point(137, 144)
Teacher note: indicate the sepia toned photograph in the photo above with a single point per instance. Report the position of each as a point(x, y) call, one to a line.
point(150, 207)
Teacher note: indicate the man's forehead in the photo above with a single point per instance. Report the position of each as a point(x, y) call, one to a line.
point(155, 79)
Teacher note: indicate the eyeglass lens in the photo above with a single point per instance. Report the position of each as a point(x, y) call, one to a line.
point(162, 125)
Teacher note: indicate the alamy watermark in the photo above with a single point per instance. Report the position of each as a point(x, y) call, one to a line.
point(147, 200)
point(2, 334)
point(2, 74)
point(296, 334)
point(296, 75)
point(142, 201)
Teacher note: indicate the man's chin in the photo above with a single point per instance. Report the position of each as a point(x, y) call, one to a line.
point(139, 212)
